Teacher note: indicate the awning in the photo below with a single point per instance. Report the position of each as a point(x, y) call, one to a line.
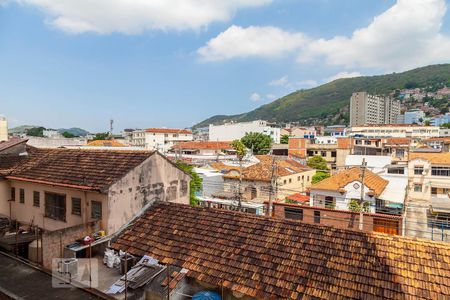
point(394, 205)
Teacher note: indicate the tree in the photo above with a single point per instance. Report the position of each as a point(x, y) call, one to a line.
point(68, 135)
point(284, 139)
point(319, 176)
point(427, 123)
point(240, 149)
point(356, 207)
point(102, 136)
point(196, 184)
point(445, 125)
point(317, 162)
point(260, 143)
point(36, 131)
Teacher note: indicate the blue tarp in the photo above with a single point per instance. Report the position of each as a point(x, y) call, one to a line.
point(206, 295)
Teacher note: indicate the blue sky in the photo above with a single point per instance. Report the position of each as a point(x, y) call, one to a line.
point(79, 63)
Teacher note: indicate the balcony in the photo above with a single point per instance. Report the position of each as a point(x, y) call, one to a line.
point(440, 203)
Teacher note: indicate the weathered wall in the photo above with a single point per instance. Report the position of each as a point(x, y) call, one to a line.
point(5, 195)
point(155, 179)
point(335, 218)
point(27, 212)
point(53, 241)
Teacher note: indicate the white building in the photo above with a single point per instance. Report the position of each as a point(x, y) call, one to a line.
point(51, 133)
point(395, 130)
point(373, 109)
point(161, 139)
point(3, 129)
point(414, 116)
point(236, 131)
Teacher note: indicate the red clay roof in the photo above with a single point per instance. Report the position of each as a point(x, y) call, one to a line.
point(203, 145)
point(269, 258)
point(11, 143)
point(299, 198)
point(168, 130)
point(341, 179)
point(76, 168)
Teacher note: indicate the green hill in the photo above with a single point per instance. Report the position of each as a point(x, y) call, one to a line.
point(329, 102)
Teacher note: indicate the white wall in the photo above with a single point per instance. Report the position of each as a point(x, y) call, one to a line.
point(3, 129)
point(235, 131)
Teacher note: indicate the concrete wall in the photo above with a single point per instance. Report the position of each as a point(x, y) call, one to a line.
point(155, 179)
point(295, 183)
point(27, 212)
point(5, 195)
point(53, 241)
point(426, 180)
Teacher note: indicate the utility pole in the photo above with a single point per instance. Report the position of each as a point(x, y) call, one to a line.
point(240, 184)
point(273, 181)
point(363, 173)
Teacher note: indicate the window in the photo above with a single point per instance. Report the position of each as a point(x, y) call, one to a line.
point(290, 180)
point(434, 191)
point(333, 153)
point(316, 216)
point(96, 210)
point(298, 178)
point(13, 194)
point(55, 206)
point(417, 188)
point(22, 196)
point(418, 170)
point(329, 202)
point(76, 206)
point(323, 153)
point(284, 181)
point(396, 170)
point(293, 213)
point(36, 199)
point(307, 178)
point(440, 171)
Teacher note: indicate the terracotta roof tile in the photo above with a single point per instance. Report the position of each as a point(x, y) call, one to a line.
point(106, 143)
point(78, 168)
point(262, 171)
point(435, 158)
point(11, 143)
point(341, 179)
point(269, 258)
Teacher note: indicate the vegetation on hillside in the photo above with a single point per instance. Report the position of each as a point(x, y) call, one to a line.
point(329, 102)
point(35, 131)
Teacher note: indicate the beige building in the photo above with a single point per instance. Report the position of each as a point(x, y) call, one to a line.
point(372, 109)
point(3, 129)
point(332, 149)
point(62, 193)
point(428, 206)
point(289, 177)
point(395, 131)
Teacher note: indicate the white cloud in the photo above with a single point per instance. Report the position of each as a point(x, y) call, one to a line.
point(406, 35)
point(255, 97)
point(136, 16)
point(343, 75)
point(283, 81)
point(239, 42)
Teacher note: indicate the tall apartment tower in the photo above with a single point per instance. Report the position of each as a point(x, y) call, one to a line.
point(372, 109)
point(3, 129)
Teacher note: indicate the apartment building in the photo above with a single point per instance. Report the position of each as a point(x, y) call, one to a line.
point(160, 139)
point(3, 129)
point(414, 116)
point(372, 109)
point(236, 131)
point(332, 149)
point(395, 131)
point(396, 148)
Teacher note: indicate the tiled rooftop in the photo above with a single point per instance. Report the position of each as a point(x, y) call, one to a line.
point(435, 158)
point(262, 171)
point(83, 169)
point(11, 143)
point(106, 143)
point(341, 179)
point(270, 258)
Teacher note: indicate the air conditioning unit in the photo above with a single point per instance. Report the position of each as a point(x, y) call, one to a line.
point(68, 266)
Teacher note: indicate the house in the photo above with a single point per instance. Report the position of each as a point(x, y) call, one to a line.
point(236, 131)
point(429, 195)
point(202, 150)
point(13, 145)
point(336, 130)
point(161, 139)
point(288, 176)
point(441, 143)
point(244, 256)
point(304, 132)
point(332, 149)
point(397, 148)
point(379, 194)
point(64, 190)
